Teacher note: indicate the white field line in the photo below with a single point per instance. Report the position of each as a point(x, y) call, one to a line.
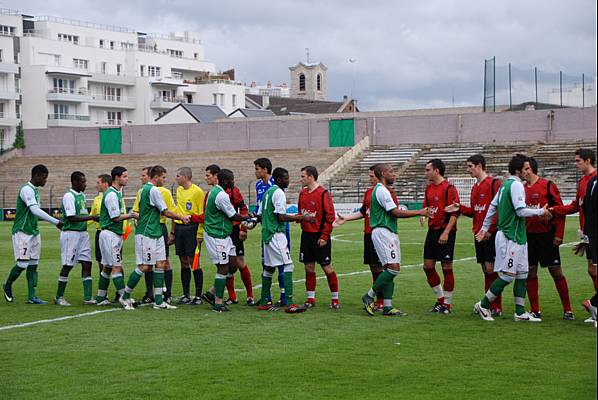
point(88, 314)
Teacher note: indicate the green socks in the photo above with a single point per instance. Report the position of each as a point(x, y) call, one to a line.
point(288, 286)
point(134, 279)
point(219, 285)
point(158, 280)
point(495, 290)
point(266, 289)
point(519, 292)
point(62, 281)
point(15, 272)
point(87, 281)
point(31, 281)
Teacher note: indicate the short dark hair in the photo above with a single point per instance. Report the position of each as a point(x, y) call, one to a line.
point(264, 163)
point(146, 169)
point(225, 175)
point(477, 159)
point(517, 162)
point(213, 169)
point(379, 168)
point(373, 167)
point(533, 164)
point(156, 170)
point(586, 154)
point(39, 169)
point(311, 171)
point(279, 173)
point(77, 176)
point(117, 171)
point(105, 178)
point(438, 164)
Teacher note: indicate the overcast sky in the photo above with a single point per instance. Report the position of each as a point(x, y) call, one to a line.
point(409, 54)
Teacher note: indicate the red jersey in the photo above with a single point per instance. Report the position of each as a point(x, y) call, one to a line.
point(537, 196)
point(319, 204)
point(482, 194)
point(236, 199)
point(576, 205)
point(436, 198)
point(365, 208)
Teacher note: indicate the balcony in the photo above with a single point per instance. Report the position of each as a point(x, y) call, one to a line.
point(9, 68)
point(163, 102)
point(68, 120)
point(112, 101)
point(68, 95)
point(8, 120)
point(9, 94)
point(113, 79)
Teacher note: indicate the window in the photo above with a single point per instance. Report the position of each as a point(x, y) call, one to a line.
point(79, 63)
point(119, 68)
point(64, 85)
point(302, 83)
point(175, 53)
point(214, 99)
point(103, 67)
point(101, 43)
point(1, 55)
point(114, 117)
point(221, 99)
point(196, 56)
point(319, 82)
point(61, 111)
point(7, 30)
point(112, 93)
point(64, 37)
point(56, 59)
point(142, 70)
point(153, 71)
point(177, 74)
point(112, 45)
point(126, 45)
point(234, 100)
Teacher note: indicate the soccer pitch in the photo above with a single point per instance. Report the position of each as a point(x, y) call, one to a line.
point(192, 352)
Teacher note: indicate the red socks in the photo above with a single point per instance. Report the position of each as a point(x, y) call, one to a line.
point(246, 277)
point(332, 282)
point(433, 277)
point(230, 288)
point(532, 292)
point(563, 289)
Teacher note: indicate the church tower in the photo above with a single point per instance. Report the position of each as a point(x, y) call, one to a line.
point(308, 81)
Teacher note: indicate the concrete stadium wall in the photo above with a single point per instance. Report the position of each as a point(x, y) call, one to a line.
point(311, 132)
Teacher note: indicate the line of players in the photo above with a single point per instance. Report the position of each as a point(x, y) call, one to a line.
point(224, 235)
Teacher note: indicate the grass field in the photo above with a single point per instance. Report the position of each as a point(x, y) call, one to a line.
point(192, 352)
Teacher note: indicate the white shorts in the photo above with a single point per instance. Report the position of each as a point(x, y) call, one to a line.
point(148, 250)
point(74, 247)
point(111, 247)
point(219, 250)
point(387, 245)
point(511, 257)
point(26, 247)
point(276, 252)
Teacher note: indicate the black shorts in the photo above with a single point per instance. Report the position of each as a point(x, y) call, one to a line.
point(310, 252)
point(436, 251)
point(541, 250)
point(485, 251)
point(185, 239)
point(240, 247)
point(370, 257)
point(96, 250)
point(165, 236)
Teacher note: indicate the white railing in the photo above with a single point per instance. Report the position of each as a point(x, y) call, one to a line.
point(85, 24)
point(80, 91)
point(8, 11)
point(111, 97)
point(169, 99)
point(71, 117)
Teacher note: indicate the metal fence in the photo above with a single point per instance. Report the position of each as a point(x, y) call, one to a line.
point(512, 86)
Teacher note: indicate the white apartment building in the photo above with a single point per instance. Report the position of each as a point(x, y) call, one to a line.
point(10, 30)
point(268, 89)
point(75, 73)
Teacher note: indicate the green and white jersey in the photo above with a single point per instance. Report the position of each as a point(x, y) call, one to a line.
point(112, 207)
point(25, 221)
point(509, 199)
point(381, 204)
point(274, 202)
point(217, 214)
point(73, 204)
point(151, 205)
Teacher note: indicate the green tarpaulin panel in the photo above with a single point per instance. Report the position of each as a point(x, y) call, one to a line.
point(110, 141)
point(341, 133)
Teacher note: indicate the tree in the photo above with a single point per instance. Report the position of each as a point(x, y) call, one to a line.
point(19, 138)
